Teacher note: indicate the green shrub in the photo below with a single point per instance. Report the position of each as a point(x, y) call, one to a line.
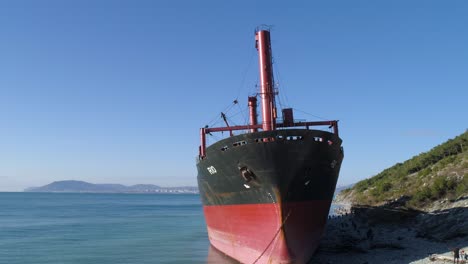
point(380, 189)
point(465, 164)
point(362, 185)
point(424, 172)
point(462, 186)
point(422, 195)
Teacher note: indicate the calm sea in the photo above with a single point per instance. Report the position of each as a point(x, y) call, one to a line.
point(103, 228)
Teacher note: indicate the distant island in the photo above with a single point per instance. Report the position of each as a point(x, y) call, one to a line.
point(86, 187)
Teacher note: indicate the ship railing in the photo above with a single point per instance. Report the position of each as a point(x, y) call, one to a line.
point(206, 130)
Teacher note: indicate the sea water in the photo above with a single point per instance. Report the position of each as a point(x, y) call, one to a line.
point(103, 228)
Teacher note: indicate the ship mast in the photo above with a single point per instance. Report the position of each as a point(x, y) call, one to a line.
point(267, 94)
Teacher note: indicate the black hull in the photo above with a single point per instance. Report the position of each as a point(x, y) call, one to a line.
point(295, 165)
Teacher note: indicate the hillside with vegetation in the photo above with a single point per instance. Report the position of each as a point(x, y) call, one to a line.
point(439, 174)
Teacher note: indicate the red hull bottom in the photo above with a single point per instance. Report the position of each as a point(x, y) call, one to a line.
point(267, 233)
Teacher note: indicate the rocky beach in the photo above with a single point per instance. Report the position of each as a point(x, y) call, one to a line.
point(392, 233)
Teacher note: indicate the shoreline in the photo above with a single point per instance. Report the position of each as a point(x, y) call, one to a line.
point(393, 234)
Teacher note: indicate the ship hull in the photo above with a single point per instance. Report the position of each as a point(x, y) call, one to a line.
point(266, 195)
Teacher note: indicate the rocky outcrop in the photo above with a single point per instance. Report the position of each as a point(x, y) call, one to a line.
point(445, 224)
point(392, 233)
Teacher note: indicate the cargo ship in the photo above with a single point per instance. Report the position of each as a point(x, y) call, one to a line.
point(267, 188)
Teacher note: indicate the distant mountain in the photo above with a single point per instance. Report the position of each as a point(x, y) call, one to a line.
point(86, 187)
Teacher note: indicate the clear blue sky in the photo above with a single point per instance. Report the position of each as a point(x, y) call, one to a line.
point(115, 91)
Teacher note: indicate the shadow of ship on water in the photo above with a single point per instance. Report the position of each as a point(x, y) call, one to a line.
point(386, 234)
